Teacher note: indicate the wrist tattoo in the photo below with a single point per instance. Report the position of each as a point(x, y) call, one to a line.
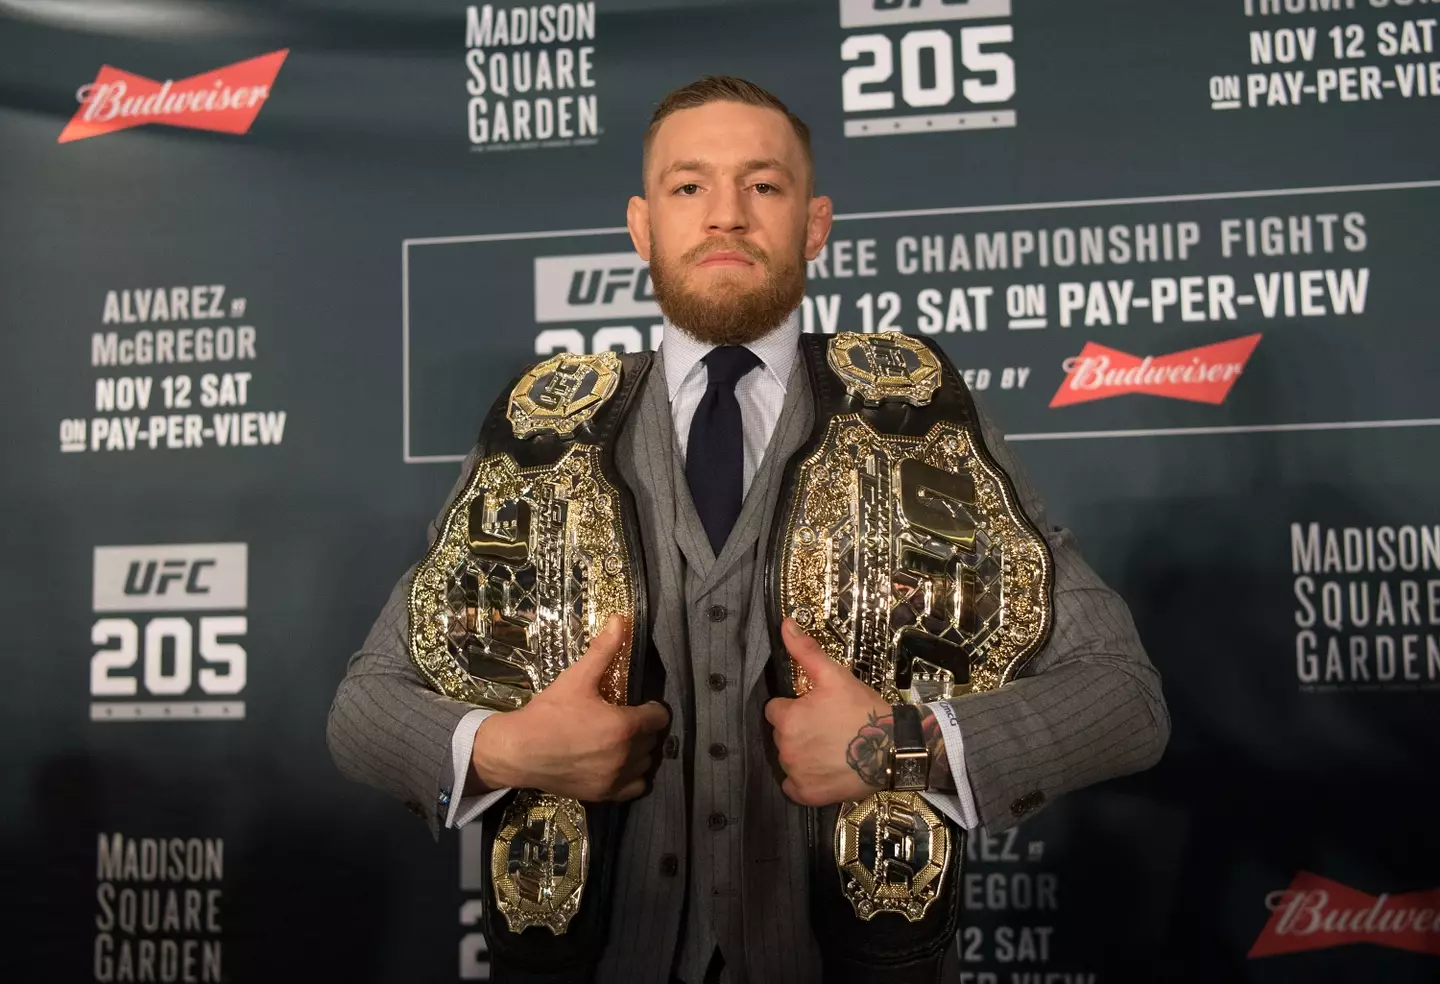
point(869, 751)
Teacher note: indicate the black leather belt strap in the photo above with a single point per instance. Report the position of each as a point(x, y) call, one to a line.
point(537, 956)
point(887, 949)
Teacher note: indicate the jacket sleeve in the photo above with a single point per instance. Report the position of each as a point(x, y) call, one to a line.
point(386, 727)
point(1087, 707)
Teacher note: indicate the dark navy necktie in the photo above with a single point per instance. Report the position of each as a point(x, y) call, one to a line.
point(715, 454)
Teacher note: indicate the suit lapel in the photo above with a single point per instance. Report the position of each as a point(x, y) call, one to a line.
point(646, 456)
point(690, 534)
point(758, 515)
point(671, 527)
point(755, 513)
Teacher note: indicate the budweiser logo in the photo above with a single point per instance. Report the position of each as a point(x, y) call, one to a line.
point(226, 100)
point(1203, 374)
point(1316, 912)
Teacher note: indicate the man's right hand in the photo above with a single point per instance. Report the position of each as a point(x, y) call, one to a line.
point(570, 741)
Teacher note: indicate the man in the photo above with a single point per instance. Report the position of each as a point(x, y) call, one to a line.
point(711, 881)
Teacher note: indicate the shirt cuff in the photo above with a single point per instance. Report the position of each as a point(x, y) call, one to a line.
point(462, 744)
point(959, 805)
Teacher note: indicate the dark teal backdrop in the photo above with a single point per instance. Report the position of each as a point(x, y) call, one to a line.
point(1186, 250)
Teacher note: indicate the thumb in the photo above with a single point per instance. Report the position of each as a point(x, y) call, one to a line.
point(807, 654)
point(585, 674)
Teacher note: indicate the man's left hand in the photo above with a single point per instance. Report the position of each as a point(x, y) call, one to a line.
point(835, 741)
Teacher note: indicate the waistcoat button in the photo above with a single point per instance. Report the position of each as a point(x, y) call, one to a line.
point(718, 751)
point(672, 747)
point(717, 821)
point(717, 681)
point(717, 613)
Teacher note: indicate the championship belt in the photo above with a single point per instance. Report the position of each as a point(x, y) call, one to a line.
point(901, 547)
point(538, 549)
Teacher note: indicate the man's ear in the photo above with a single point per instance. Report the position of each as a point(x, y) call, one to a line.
point(637, 220)
point(821, 215)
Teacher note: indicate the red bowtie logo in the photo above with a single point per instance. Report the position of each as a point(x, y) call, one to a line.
point(1314, 913)
point(226, 100)
point(1203, 374)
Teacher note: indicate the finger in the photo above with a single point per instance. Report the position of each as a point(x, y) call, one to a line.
point(777, 709)
point(642, 757)
point(788, 788)
point(806, 652)
point(629, 790)
point(643, 746)
point(649, 717)
point(639, 760)
point(588, 671)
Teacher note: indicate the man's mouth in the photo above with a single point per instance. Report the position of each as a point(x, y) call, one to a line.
point(725, 258)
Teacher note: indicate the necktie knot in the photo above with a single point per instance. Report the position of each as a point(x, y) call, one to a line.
point(727, 364)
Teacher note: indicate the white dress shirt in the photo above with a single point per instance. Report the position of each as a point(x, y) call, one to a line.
point(761, 395)
point(760, 392)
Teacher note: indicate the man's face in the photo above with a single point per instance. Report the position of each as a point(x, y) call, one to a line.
point(727, 221)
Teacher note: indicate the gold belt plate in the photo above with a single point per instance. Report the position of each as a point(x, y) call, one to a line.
point(909, 562)
point(540, 861)
point(892, 850)
point(529, 564)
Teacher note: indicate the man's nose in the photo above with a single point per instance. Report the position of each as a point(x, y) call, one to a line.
point(727, 214)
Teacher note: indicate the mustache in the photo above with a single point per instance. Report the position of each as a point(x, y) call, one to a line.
point(716, 244)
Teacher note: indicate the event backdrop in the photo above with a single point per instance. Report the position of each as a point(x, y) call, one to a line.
point(265, 264)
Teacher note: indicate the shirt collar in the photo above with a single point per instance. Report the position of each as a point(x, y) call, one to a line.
point(776, 351)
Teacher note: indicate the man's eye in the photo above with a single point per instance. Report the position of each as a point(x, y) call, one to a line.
point(687, 189)
point(765, 188)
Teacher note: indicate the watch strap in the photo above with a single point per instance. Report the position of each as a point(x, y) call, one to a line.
point(910, 759)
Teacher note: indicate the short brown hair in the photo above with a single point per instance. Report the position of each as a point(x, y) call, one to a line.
point(725, 88)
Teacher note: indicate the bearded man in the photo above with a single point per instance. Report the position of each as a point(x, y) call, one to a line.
point(707, 789)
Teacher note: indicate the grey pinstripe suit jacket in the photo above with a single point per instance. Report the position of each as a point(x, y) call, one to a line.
point(1087, 708)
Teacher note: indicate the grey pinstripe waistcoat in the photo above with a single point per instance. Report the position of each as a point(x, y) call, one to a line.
point(747, 872)
point(1087, 708)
